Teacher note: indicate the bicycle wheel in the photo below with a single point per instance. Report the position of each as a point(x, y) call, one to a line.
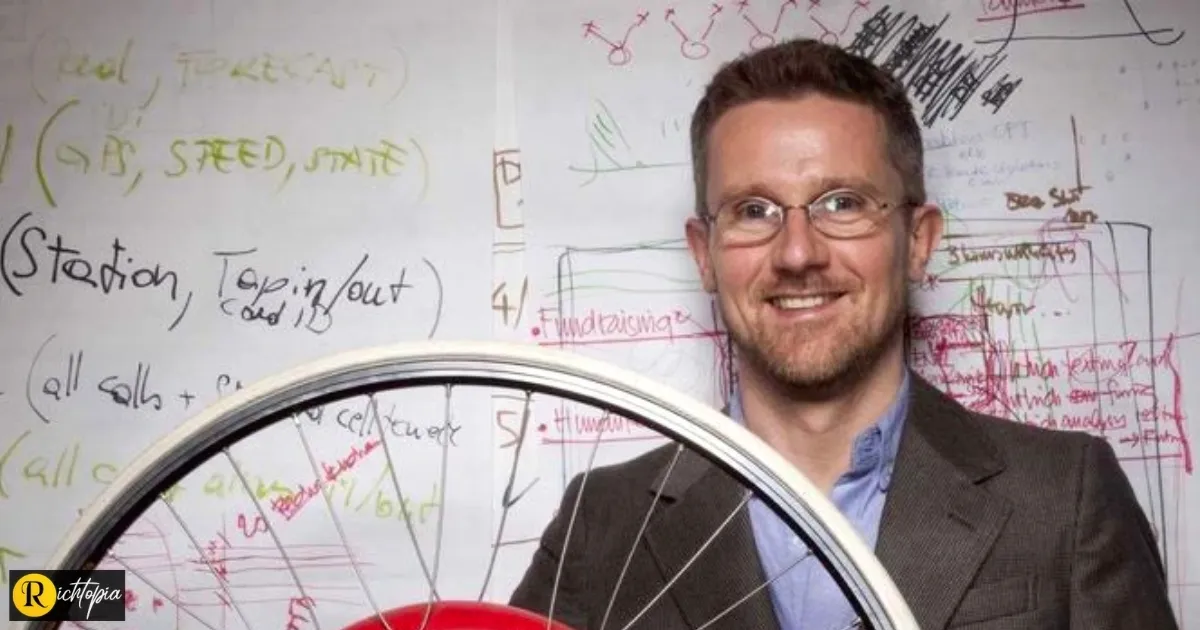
point(254, 411)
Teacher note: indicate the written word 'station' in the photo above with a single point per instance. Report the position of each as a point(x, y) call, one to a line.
point(306, 300)
point(125, 159)
point(32, 255)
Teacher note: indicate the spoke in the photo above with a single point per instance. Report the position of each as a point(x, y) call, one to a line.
point(641, 530)
point(756, 590)
point(287, 560)
point(166, 596)
point(663, 591)
point(507, 500)
point(337, 524)
point(437, 549)
point(412, 534)
point(208, 563)
point(571, 525)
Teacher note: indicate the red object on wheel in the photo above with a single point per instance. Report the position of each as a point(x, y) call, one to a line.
point(458, 616)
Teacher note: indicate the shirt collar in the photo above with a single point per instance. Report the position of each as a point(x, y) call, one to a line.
point(875, 449)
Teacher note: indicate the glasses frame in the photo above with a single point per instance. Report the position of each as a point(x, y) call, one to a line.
point(813, 212)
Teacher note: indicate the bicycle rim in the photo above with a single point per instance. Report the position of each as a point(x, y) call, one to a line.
point(499, 364)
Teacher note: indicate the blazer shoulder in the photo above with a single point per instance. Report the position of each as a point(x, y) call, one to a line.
point(637, 473)
point(1037, 449)
point(668, 472)
point(1010, 431)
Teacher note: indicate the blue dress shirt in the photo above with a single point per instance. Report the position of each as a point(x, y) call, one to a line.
point(805, 596)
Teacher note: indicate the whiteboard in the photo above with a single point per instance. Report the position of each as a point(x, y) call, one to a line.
point(195, 195)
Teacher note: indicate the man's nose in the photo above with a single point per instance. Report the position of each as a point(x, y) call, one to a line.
point(799, 245)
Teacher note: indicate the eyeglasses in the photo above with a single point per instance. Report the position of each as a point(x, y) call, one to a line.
point(841, 213)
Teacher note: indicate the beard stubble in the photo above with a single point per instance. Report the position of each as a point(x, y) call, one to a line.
point(845, 359)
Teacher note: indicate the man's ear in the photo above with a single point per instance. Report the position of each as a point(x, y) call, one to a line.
point(925, 234)
point(698, 243)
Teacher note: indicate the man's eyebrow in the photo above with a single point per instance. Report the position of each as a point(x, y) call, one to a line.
point(753, 189)
point(859, 184)
point(818, 187)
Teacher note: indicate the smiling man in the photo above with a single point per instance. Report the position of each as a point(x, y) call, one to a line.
point(811, 220)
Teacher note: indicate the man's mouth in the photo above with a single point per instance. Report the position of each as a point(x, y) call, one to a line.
point(803, 302)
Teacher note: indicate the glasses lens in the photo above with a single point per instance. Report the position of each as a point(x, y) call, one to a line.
point(845, 213)
point(748, 220)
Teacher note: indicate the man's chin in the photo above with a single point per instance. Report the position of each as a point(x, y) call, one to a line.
point(803, 366)
point(825, 368)
point(814, 378)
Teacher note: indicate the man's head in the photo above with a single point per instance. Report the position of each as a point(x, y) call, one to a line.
point(814, 302)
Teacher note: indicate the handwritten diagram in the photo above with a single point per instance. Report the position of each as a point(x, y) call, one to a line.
point(618, 48)
point(1014, 17)
point(611, 150)
point(757, 23)
point(694, 46)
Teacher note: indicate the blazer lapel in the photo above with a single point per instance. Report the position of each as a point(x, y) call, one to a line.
point(728, 569)
point(938, 524)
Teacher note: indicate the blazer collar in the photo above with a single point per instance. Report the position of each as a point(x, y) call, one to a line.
point(938, 522)
point(949, 429)
point(676, 478)
point(705, 508)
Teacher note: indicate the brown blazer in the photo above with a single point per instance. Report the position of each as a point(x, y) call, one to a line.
point(988, 525)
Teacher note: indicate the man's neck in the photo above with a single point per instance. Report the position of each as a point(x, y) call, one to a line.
point(817, 435)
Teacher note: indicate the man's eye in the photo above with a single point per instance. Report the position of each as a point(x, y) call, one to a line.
point(843, 202)
point(755, 210)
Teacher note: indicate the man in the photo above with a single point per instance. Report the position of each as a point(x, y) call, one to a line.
point(811, 220)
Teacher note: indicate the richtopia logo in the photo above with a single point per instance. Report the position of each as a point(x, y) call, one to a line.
point(67, 595)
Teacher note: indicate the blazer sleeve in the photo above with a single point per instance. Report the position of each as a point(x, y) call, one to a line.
point(537, 587)
point(1117, 577)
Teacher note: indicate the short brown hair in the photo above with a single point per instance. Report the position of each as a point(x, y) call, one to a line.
point(800, 67)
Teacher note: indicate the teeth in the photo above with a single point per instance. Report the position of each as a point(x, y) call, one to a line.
point(790, 303)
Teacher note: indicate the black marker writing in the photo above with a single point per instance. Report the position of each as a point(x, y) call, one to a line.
point(305, 299)
point(940, 75)
point(31, 255)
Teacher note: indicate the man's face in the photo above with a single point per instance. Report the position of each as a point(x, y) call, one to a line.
point(808, 309)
